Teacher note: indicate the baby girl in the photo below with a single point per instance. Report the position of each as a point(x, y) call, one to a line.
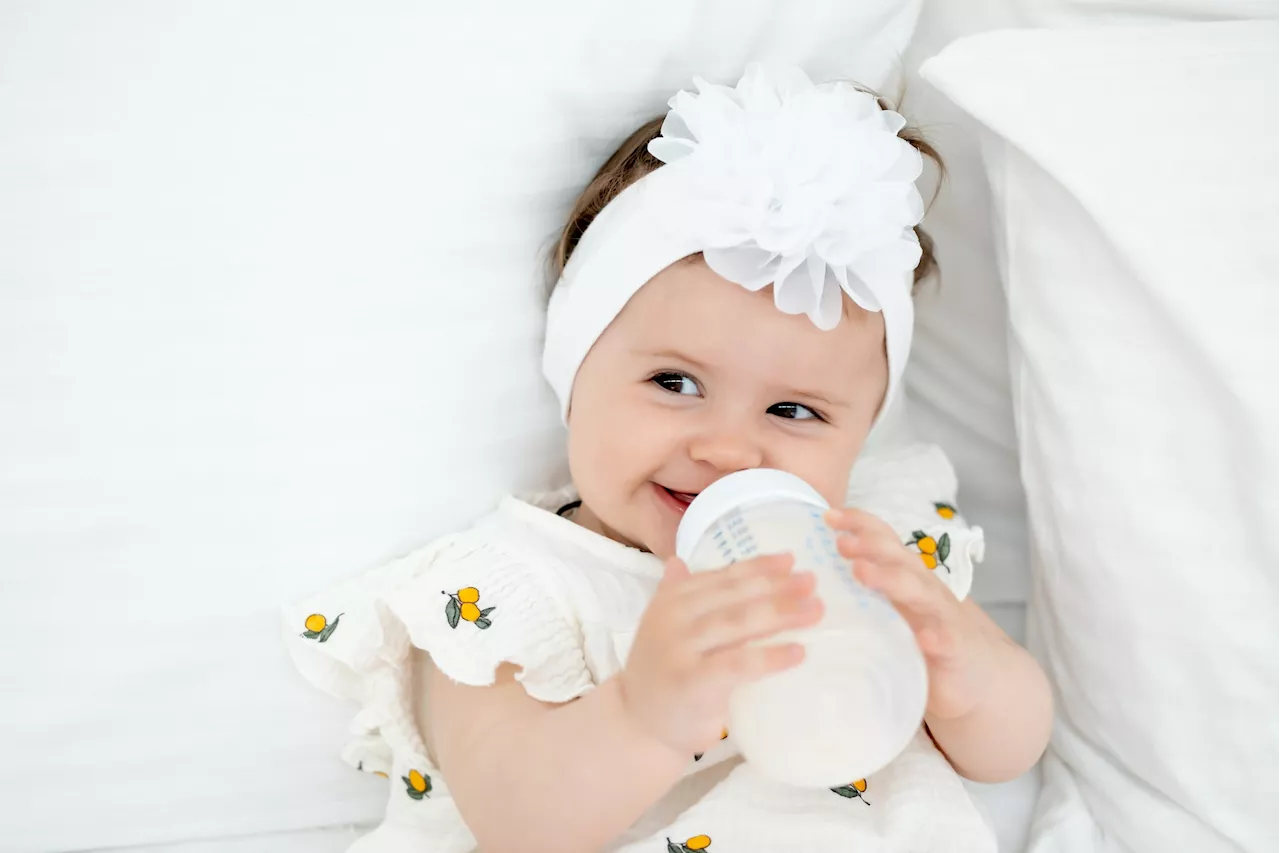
point(734, 292)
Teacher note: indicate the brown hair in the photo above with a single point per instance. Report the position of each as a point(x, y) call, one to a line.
point(632, 161)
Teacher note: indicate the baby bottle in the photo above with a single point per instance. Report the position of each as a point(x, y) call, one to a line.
point(858, 698)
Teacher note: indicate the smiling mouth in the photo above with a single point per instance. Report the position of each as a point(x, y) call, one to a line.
point(681, 499)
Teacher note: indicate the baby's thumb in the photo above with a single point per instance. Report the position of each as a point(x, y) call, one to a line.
point(674, 570)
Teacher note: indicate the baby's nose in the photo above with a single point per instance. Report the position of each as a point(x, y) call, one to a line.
point(727, 449)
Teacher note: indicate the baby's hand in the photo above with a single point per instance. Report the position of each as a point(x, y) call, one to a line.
point(694, 644)
point(954, 647)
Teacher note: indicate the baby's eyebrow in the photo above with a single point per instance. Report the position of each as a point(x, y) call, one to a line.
point(819, 397)
point(673, 354)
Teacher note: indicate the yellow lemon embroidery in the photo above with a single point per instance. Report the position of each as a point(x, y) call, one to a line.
point(933, 552)
point(462, 607)
point(698, 842)
point(417, 785)
point(853, 791)
point(947, 511)
point(319, 628)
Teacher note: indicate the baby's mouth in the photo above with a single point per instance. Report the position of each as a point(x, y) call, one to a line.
point(685, 498)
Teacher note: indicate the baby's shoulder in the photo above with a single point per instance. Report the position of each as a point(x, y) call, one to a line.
point(913, 488)
point(488, 595)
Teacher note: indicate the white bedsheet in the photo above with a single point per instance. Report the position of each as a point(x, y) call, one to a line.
point(1008, 806)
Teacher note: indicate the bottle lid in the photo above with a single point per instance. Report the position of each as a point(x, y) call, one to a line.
point(735, 491)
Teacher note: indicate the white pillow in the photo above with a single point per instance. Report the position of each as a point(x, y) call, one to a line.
point(958, 379)
point(1098, 12)
point(269, 315)
point(1134, 176)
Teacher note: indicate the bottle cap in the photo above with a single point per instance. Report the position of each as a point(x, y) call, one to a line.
point(735, 491)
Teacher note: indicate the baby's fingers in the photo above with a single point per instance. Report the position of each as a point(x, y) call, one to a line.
point(929, 607)
point(873, 549)
point(791, 606)
point(674, 571)
point(720, 589)
point(730, 667)
point(917, 595)
point(856, 521)
point(903, 585)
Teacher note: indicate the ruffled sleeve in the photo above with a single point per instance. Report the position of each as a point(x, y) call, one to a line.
point(466, 601)
point(913, 489)
point(481, 607)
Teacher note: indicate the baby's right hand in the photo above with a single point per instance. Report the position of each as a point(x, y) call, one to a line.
point(695, 644)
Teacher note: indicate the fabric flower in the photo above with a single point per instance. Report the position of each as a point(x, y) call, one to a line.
point(805, 187)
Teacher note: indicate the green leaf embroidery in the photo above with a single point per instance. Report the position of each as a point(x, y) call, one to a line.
point(310, 635)
point(917, 535)
point(850, 793)
point(453, 612)
point(483, 623)
point(329, 629)
point(487, 611)
point(674, 848)
point(944, 547)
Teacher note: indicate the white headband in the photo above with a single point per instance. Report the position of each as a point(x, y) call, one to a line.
point(776, 181)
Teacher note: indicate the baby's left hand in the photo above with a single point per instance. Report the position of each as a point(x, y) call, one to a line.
point(956, 649)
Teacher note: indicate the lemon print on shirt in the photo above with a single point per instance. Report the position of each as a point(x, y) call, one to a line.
point(698, 842)
point(417, 785)
point(933, 552)
point(853, 791)
point(464, 606)
point(947, 511)
point(319, 628)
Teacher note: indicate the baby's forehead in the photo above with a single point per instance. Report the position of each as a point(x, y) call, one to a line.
point(688, 309)
point(689, 293)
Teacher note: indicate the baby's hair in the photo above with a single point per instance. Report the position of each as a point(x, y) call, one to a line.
point(632, 161)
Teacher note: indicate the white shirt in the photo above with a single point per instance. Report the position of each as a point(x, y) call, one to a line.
point(527, 587)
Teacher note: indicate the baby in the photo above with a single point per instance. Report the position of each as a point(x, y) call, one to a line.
point(734, 292)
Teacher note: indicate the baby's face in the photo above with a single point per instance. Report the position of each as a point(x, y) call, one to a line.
point(699, 377)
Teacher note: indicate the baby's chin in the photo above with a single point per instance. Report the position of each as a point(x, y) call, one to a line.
point(658, 539)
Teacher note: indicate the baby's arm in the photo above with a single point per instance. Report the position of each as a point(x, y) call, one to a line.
point(529, 777)
point(1002, 736)
point(990, 709)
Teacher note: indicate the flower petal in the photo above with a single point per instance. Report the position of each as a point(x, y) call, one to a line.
point(805, 187)
point(861, 294)
point(747, 265)
point(793, 292)
point(670, 149)
point(888, 265)
point(830, 306)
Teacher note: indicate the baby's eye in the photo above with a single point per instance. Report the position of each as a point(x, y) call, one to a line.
point(793, 411)
point(676, 383)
